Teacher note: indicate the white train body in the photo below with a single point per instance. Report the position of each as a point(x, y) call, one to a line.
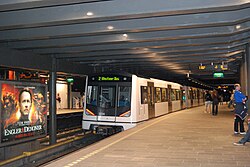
point(116, 103)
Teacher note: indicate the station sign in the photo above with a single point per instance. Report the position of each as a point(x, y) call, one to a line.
point(28, 75)
point(202, 67)
point(218, 75)
point(224, 67)
point(70, 80)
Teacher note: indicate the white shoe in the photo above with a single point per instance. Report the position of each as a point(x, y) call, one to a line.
point(236, 133)
point(243, 133)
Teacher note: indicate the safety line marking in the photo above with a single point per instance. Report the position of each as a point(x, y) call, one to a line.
point(105, 147)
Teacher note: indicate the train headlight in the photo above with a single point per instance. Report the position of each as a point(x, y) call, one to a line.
point(125, 114)
point(88, 112)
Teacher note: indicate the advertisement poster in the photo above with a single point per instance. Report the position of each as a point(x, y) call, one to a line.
point(23, 111)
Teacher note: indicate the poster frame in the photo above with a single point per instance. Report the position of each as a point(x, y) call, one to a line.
point(28, 84)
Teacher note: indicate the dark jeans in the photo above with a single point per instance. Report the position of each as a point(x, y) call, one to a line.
point(246, 138)
point(215, 109)
point(237, 121)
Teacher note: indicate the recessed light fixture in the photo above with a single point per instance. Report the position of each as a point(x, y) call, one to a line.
point(125, 35)
point(90, 14)
point(238, 27)
point(110, 27)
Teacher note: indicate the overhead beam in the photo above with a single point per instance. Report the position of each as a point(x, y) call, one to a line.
point(164, 45)
point(174, 35)
point(104, 10)
point(26, 60)
point(216, 19)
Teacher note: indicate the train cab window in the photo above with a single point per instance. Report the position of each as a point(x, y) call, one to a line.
point(92, 95)
point(124, 101)
point(124, 96)
point(144, 95)
point(157, 95)
point(107, 97)
point(163, 95)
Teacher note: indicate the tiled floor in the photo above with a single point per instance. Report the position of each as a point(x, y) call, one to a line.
point(185, 138)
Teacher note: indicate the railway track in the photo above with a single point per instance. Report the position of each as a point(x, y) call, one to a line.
point(71, 141)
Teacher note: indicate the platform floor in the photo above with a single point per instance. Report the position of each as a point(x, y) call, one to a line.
point(188, 138)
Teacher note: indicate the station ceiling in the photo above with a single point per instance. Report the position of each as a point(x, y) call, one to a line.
point(165, 39)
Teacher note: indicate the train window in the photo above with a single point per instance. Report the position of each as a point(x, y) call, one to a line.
point(92, 95)
point(178, 94)
point(173, 95)
point(144, 95)
point(107, 97)
point(194, 94)
point(190, 94)
point(124, 95)
point(163, 95)
point(157, 95)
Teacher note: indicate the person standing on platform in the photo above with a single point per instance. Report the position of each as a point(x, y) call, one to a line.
point(58, 99)
point(246, 138)
point(221, 99)
point(240, 110)
point(208, 102)
point(232, 101)
point(215, 102)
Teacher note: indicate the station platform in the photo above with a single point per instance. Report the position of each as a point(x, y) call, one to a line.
point(185, 138)
point(67, 111)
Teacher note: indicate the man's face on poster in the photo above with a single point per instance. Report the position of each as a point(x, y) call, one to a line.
point(25, 103)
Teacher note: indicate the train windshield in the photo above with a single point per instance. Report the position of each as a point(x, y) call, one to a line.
point(108, 100)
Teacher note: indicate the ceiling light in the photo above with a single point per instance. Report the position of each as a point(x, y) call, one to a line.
point(110, 27)
point(125, 35)
point(90, 14)
point(238, 27)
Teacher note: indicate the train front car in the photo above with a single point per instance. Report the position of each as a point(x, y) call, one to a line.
point(108, 104)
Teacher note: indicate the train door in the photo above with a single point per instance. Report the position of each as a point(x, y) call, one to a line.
point(107, 101)
point(169, 98)
point(182, 95)
point(151, 103)
point(191, 97)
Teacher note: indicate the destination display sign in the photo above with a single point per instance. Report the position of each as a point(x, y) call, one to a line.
point(111, 79)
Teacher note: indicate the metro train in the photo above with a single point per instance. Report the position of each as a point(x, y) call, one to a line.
point(118, 102)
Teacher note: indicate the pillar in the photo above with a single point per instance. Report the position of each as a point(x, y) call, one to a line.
point(242, 75)
point(52, 103)
point(247, 53)
point(69, 96)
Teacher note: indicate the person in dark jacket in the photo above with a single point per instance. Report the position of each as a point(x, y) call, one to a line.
point(246, 138)
point(215, 102)
point(240, 110)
